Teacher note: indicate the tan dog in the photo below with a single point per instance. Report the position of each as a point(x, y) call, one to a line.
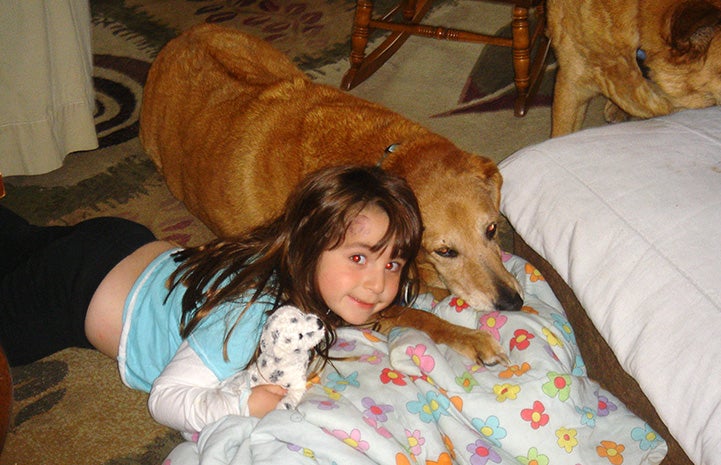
point(648, 57)
point(233, 125)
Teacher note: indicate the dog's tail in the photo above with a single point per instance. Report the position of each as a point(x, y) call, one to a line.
point(248, 58)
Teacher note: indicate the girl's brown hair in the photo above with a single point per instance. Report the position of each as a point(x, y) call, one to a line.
point(278, 261)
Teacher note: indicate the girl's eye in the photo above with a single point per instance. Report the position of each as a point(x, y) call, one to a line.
point(393, 266)
point(359, 259)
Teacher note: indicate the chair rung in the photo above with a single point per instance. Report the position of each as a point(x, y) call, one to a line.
point(441, 33)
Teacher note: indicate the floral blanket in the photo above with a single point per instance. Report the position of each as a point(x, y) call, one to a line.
point(405, 400)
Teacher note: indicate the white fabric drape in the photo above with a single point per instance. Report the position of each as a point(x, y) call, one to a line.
point(46, 87)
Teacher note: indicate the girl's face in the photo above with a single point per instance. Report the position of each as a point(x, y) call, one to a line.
point(355, 282)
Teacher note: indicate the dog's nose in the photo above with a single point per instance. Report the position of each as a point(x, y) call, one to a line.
point(508, 300)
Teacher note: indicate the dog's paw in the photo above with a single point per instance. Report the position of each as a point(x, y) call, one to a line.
point(612, 113)
point(480, 346)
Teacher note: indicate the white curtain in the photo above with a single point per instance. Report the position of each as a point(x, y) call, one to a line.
point(46, 88)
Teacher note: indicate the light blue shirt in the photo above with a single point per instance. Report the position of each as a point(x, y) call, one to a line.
point(151, 334)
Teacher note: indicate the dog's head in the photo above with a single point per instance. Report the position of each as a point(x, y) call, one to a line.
point(687, 64)
point(460, 206)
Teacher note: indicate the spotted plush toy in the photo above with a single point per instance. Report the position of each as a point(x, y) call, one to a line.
point(285, 344)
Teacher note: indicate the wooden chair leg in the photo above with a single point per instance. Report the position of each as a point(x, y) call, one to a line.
point(409, 10)
point(362, 66)
point(359, 36)
point(521, 56)
point(528, 75)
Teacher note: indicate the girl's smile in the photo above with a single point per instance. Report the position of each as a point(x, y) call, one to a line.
point(354, 281)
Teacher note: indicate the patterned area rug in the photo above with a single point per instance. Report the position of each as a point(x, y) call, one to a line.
point(71, 407)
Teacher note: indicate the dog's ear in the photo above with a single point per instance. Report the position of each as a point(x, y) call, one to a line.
point(496, 181)
point(486, 171)
point(693, 25)
point(427, 272)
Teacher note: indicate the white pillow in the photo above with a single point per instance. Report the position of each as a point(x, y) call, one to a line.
point(629, 215)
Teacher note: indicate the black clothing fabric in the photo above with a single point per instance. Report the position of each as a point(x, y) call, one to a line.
point(48, 276)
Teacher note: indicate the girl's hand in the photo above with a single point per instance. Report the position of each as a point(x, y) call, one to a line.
point(264, 398)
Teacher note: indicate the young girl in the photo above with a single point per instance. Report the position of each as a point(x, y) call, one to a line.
point(184, 324)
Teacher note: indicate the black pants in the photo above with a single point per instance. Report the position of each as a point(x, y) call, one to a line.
point(48, 276)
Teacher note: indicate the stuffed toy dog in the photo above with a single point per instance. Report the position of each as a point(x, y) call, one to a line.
point(285, 344)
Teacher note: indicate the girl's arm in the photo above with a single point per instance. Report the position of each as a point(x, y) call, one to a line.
point(187, 395)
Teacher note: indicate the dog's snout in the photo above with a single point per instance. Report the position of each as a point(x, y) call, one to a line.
point(508, 300)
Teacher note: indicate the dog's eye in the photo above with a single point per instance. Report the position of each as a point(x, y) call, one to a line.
point(446, 252)
point(491, 231)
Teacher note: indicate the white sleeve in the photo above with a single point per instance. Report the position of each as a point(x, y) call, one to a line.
point(187, 395)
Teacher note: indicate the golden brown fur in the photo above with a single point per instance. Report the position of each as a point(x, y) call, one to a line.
point(595, 42)
point(233, 125)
